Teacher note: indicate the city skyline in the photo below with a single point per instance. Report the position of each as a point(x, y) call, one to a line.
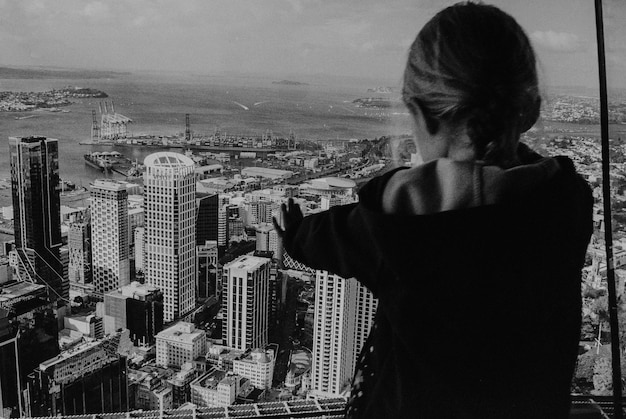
point(281, 38)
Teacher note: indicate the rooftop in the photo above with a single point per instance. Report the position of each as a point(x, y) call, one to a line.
point(18, 290)
point(332, 183)
point(210, 380)
point(247, 263)
point(168, 159)
point(181, 332)
point(109, 185)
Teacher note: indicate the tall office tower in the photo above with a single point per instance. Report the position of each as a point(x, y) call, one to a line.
point(140, 248)
point(245, 302)
point(79, 243)
point(109, 232)
point(136, 307)
point(206, 263)
point(37, 212)
point(170, 204)
point(333, 333)
point(91, 378)
point(206, 218)
point(28, 336)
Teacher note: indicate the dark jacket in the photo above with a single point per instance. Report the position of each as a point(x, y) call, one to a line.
point(479, 302)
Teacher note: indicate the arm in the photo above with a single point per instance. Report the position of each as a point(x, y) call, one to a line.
point(336, 240)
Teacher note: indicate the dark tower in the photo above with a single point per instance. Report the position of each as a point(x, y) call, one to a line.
point(206, 218)
point(37, 212)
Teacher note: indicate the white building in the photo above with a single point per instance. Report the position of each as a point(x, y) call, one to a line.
point(109, 234)
point(170, 211)
point(245, 302)
point(365, 312)
point(264, 236)
point(179, 344)
point(266, 172)
point(257, 366)
point(218, 388)
point(334, 349)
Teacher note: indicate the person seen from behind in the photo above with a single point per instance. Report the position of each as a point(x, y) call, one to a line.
point(475, 255)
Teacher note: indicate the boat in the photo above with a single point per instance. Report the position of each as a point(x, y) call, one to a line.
point(99, 161)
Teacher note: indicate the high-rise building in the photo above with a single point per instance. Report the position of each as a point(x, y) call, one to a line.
point(28, 336)
point(79, 243)
point(37, 212)
point(170, 207)
point(333, 333)
point(245, 302)
point(109, 232)
point(136, 307)
point(206, 218)
point(365, 311)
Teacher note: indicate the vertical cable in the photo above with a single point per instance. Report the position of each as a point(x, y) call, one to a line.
point(608, 225)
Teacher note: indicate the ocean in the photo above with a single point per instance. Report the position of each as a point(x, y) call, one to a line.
point(158, 103)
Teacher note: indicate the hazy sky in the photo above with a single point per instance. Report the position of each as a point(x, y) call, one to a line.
point(365, 38)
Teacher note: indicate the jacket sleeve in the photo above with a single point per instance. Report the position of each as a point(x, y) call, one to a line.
point(336, 241)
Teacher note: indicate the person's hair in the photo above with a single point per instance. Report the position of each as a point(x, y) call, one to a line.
point(474, 62)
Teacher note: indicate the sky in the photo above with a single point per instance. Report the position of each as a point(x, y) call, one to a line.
point(360, 38)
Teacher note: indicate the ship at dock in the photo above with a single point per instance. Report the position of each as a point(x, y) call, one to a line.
point(102, 161)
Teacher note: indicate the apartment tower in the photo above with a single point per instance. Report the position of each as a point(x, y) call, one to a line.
point(245, 302)
point(109, 232)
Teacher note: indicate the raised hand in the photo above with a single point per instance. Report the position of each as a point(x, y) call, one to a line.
point(291, 215)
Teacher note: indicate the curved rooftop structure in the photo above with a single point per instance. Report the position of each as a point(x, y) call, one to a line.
point(167, 159)
point(330, 183)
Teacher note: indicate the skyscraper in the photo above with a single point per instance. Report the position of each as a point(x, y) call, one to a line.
point(245, 302)
point(109, 231)
point(344, 311)
point(170, 207)
point(37, 212)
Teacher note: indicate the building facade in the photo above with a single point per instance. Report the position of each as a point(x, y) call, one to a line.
point(136, 307)
point(109, 218)
point(245, 302)
point(170, 210)
point(333, 333)
point(79, 244)
point(37, 212)
point(179, 344)
point(28, 336)
point(92, 378)
point(206, 263)
point(207, 218)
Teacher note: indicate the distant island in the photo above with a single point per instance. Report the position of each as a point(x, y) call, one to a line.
point(376, 102)
point(56, 73)
point(290, 83)
point(381, 89)
point(50, 100)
